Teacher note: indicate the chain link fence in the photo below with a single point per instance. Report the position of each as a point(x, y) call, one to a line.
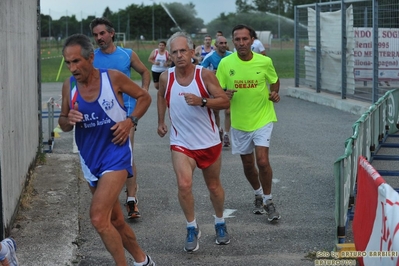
point(348, 47)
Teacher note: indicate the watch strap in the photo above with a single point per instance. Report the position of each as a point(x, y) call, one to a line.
point(204, 102)
point(134, 119)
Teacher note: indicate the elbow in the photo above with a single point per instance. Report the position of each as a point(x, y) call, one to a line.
point(63, 123)
point(148, 99)
point(65, 127)
point(144, 100)
point(227, 105)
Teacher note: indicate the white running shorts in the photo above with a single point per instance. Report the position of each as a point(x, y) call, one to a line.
point(243, 142)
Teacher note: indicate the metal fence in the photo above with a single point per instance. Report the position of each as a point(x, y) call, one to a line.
point(369, 134)
point(348, 47)
point(351, 48)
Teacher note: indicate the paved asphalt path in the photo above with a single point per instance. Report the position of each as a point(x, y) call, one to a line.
point(306, 141)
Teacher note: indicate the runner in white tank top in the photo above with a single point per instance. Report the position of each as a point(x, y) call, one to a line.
point(191, 93)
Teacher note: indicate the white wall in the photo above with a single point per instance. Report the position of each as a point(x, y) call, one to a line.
point(19, 120)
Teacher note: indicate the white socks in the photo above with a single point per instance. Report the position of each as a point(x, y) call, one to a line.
point(131, 199)
point(219, 220)
point(266, 197)
point(142, 263)
point(259, 191)
point(193, 223)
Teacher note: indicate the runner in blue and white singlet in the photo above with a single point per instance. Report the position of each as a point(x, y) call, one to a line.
point(92, 105)
point(97, 152)
point(202, 50)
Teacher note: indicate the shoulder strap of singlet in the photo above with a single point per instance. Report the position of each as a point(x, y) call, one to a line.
point(200, 83)
point(171, 80)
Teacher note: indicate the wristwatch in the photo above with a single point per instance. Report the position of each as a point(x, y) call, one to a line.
point(134, 119)
point(204, 101)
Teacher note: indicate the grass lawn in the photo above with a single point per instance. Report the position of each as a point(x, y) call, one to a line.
point(53, 67)
point(283, 61)
point(55, 70)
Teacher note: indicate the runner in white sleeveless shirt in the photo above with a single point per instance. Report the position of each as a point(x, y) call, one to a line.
point(191, 93)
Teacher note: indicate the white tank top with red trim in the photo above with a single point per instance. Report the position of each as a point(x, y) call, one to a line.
point(192, 127)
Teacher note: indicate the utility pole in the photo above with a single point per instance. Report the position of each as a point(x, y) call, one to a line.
point(81, 22)
point(49, 23)
point(153, 23)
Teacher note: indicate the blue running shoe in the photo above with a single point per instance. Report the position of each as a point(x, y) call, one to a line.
point(193, 234)
point(222, 237)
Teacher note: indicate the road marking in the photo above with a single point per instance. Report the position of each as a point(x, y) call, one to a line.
point(227, 213)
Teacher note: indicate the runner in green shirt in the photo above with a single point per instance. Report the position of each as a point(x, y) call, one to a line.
point(246, 76)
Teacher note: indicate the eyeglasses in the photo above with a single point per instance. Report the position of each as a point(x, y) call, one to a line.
point(222, 42)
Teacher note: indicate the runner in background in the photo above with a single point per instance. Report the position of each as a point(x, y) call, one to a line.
point(159, 58)
point(202, 50)
point(110, 56)
point(211, 61)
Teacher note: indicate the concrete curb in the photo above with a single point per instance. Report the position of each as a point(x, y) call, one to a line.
point(46, 232)
point(335, 101)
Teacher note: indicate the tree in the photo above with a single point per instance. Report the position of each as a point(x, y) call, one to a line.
point(134, 20)
point(242, 6)
point(45, 26)
point(107, 13)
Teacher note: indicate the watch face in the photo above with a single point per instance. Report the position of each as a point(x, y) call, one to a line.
point(134, 119)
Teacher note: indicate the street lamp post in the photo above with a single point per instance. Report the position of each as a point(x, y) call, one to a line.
point(49, 24)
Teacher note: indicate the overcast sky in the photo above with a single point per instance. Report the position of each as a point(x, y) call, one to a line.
point(206, 9)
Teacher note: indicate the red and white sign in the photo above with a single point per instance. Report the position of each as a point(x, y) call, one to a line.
point(376, 220)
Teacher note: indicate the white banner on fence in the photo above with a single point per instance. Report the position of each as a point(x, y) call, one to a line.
point(331, 52)
point(388, 54)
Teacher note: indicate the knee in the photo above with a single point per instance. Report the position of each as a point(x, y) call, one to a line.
point(215, 188)
point(184, 184)
point(263, 164)
point(99, 222)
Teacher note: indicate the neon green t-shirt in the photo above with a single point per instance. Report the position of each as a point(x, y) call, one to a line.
point(250, 107)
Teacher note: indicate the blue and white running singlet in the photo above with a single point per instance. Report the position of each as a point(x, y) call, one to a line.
point(93, 135)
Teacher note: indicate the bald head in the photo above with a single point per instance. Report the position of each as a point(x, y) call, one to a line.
point(221, 44)
point(220, 39)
